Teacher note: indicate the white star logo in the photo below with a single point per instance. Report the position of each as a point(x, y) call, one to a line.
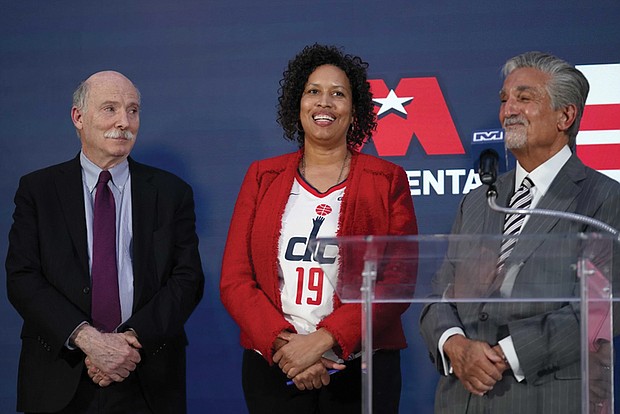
point(393, 102)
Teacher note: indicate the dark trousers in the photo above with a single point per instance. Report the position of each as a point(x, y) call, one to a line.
point(118, 398)
point(265, 388)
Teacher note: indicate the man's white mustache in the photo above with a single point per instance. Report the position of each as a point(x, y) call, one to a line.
point(118, 133)
point(514, 121)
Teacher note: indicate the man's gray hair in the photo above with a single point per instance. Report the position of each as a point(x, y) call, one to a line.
point(567, 84)
point(80, 96)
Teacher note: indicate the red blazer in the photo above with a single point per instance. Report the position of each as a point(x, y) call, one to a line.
point(377, 201)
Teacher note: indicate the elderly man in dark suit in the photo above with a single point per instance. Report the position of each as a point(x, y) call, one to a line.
point(520, 357)
point(103, 266)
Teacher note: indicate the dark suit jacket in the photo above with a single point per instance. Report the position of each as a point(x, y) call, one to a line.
point(48, 282)
point(545, 335)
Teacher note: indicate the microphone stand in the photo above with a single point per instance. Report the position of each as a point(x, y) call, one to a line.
point(491, 200)
point(487, 171)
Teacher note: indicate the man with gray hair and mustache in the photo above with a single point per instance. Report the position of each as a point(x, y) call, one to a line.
point(523, 357)
point(103, 267)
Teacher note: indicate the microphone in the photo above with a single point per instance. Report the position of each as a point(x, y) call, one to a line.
point(483, 140)
point(487, 168)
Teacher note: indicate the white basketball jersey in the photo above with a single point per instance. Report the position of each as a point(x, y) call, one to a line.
point(306, 293)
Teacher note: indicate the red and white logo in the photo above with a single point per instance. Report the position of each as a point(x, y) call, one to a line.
point(598, 141)
point(416, 107)
point(323, 209)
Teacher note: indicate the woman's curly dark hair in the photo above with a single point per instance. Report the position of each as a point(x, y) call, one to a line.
point(294, 81)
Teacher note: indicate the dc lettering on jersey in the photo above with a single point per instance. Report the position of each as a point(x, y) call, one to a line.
point(313, 251)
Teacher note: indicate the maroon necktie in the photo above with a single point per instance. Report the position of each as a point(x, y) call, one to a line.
point(106, 307)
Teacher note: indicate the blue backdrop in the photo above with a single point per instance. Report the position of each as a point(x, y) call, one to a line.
point(209, 71)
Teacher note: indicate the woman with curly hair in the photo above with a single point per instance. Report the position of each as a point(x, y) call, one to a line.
point(293, 327)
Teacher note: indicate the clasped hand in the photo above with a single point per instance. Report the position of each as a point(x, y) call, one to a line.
point(476, 364)
point(110, 357)
point(601, 379)
point(300, 358)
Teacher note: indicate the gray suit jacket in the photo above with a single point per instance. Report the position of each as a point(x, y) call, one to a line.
point(545, 335)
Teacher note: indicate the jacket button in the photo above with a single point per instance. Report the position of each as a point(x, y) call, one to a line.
point(483, 316)
point(86, 290)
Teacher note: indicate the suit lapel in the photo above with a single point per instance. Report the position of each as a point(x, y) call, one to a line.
point(561, 196)
point(144, 218)
point(70, 190)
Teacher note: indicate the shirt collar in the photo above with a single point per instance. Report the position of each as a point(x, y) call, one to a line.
point(543, 175)
point(120, 173)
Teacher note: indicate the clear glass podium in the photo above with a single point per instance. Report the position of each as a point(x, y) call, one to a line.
point(553, 297)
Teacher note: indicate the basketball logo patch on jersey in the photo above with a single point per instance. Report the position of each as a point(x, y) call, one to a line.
point(323, 209)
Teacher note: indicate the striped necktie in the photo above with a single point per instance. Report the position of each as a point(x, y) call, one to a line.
point(522, 198)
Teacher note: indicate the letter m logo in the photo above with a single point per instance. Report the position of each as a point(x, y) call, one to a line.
point(417, 107)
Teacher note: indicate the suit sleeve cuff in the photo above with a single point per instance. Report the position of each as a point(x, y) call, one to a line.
point(447, 368)
point(69, 342)
point(511, 356)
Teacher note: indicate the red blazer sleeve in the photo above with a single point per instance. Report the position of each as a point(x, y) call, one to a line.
point(258, 317)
